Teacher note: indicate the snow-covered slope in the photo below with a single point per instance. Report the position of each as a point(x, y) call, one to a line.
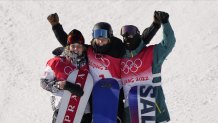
point(190, 73)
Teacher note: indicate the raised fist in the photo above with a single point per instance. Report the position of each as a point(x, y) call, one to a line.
point(156, 19)
point(161, 16)
point(53, 19)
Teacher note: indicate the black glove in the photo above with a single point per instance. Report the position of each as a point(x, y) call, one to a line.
point(87, 118)
point(161, 16)
point(156, 20)
point(74, 89)
point(53, 19)
point(58, 51)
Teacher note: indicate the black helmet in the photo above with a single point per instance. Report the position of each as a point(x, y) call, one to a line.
point(131, 36)
point(103, 25)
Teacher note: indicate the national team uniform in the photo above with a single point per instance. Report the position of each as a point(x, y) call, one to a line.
point(103, 66)
point(137, 71)
point(58, 69)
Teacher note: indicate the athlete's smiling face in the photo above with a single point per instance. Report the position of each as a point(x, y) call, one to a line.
point(76, 48)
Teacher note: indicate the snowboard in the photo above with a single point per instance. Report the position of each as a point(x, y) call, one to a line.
point(141, 101)
point(72, 107)
point(105, 98)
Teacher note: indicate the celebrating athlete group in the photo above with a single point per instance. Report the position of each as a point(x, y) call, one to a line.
point(109, 80)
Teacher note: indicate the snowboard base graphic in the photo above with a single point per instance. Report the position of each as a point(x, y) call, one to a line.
point(142, 104)
point(105, 101)
point(72, 107)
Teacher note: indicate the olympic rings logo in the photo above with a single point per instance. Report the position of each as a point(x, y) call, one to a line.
point(68, 70)
point(105, 61)
point(131, 66)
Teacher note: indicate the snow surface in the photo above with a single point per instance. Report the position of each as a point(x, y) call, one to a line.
point(190, 73)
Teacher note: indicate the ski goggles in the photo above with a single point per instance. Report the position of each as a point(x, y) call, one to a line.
point(100, 33)
point(129, 30)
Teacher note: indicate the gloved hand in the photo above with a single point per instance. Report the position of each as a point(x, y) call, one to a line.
point(61, 84)
point(58, 51)
point(156, 20)
point(53, 19)
point(161, 16)
point(74, 89)
point(87, 118)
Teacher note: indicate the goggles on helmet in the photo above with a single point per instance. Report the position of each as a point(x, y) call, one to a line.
point(100, 33)
point(129, 30)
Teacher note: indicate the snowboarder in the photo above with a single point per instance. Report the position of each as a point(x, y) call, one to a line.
point(59, 68)
point(142, 64)
point(112, 47)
